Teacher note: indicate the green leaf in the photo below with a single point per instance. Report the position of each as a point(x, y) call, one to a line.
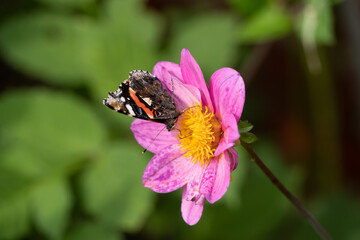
point(14, 217)
point(123, 39)
point(73, 50)
point(92, 231)
point(43, 136)
point(51, 204)
point(46, 45)
point(209, 37)
point(315, 24)
point(245, 127)
point(270, 23)
point(55, 127)
point(248, 137)
point(112, 188)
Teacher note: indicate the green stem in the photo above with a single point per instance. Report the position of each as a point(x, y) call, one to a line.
point(315, 224)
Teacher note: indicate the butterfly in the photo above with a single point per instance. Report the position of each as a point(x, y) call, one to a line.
point(143, 96)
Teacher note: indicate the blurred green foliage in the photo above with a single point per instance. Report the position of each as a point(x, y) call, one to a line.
point(70, 169)
point(315, 24)
point(270, 22)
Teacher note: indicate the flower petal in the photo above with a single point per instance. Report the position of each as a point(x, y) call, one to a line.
point(191, 210)
point(193, 185)
point(152, 136)
point(208, 179)
point(173, 69)
point(231, 133)
point(227, 92)
point(167, 170)
point(218, 175)
point(192, 75)
point(184, 94)
point(233, 159)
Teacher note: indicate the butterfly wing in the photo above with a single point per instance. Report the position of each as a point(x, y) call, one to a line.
point(143, 96)
point(122, 101)
point(149, 90)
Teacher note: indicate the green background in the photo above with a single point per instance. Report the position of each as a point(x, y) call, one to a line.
point(71, 169)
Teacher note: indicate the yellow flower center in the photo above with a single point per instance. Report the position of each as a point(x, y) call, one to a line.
point(199, 135)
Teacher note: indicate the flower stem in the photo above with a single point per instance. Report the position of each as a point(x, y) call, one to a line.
point(315, 224)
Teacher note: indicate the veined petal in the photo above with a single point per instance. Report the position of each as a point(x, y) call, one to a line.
point(216, 178)
point(152, 136)
point(191, 210)
point(227, 92)
point(184, 94)
point(167, 170)
point(231, 133)
point(233, 159)
point(192, 75)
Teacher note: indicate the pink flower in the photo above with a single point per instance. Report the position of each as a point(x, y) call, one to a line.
point(197, 155)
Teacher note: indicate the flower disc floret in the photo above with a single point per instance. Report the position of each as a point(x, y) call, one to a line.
point(199, 135)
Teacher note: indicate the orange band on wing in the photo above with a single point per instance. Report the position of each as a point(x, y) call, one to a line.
point(148, 111)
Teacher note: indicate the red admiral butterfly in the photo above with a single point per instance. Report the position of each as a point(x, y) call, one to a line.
point(143, 96)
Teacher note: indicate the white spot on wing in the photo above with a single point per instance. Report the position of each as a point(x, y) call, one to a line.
point(148, 101)
point(122, 99)
point(128, 107)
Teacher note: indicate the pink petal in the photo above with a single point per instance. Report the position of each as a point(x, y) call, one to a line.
point(216, 178)
point(167, 171)
point(233, 159)
point(208, 179)
point(152, 136)
point(191, 210)
point(172, 68)
point(231, 133)
point(222, 179)
point(227, 92)
point(184, 94)
point(192, 75)
point(223, 146)
point(193, 185)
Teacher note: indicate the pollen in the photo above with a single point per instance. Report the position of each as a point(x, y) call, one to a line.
point(199, 134)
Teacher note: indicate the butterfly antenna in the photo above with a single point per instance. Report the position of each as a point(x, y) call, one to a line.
point(145, 149)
